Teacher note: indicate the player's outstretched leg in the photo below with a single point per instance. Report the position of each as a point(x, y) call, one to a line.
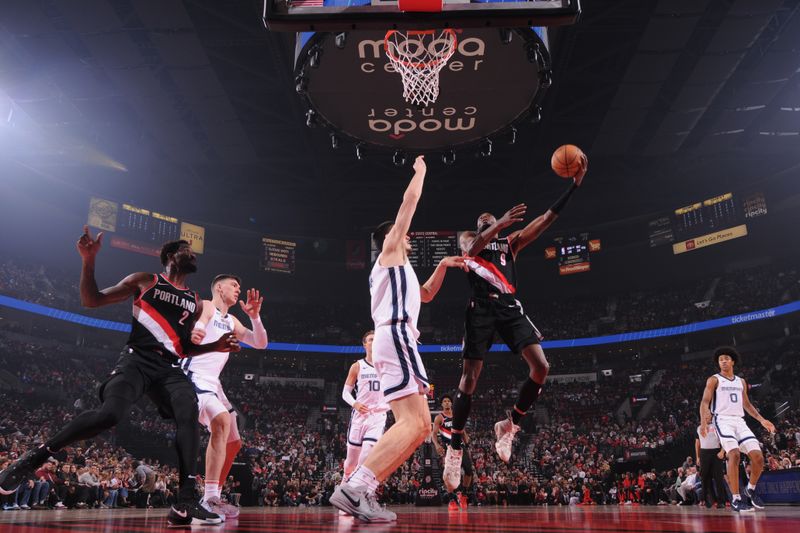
point(357, 495)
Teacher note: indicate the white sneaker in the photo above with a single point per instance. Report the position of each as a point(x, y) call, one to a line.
point(452, 468)
point(359, 503)
point(59, 505)
point(505, 430)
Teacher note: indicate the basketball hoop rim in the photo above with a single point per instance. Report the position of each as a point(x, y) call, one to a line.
point(420, 64)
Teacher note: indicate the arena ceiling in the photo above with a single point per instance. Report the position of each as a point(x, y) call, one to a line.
point(673, 100)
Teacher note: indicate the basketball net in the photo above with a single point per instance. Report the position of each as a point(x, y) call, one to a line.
point(419, 56)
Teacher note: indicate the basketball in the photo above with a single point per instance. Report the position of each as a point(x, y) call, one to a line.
point(566, 160)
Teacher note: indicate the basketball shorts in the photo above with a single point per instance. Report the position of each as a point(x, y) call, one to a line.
point(367, 427)
point(397, 361)
point(500, 313)
point(734, 433)
point(211, 399)
point(139, 372)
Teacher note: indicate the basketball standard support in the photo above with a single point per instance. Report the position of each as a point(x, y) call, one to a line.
point(349, 15)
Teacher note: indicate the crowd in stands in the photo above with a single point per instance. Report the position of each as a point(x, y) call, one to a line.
point(344, 321)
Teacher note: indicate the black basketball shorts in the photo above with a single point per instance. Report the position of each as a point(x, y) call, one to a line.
point(502, 314)
point(139, 372)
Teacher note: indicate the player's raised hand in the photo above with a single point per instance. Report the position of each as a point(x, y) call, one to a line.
point(87, 246)
point(227, 343)
point(253, 305)
point(456, 261)
point(512, 216)
point(582, 171)
point(419, 164)
point(769, 426)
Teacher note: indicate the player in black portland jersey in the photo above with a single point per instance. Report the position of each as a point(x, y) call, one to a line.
point(164, 312)
point(441, 436)
point(493, 308)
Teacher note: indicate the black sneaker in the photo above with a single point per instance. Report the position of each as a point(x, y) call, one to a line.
point(755, 499)
point(741, 506)
point(21, 470)
point(184, 514)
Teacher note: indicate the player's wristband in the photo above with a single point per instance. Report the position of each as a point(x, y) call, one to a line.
point(256, 320)
point(562, 201)
point(199, 325)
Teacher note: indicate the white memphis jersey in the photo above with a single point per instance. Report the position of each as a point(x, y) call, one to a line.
point(729, 397)
point(368, 388)
point(395, 299)
point(210, 365)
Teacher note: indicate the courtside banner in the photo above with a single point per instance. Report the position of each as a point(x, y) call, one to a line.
point(709, 239)
point(780, 486)
point(763, 314)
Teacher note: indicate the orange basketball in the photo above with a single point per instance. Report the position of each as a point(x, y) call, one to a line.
point(566, 160)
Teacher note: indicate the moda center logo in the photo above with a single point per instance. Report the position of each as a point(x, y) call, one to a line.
point(397, 122)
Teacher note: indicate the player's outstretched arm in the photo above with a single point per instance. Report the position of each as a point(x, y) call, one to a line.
point(227, 343)
point(256, 337)
point(537, 226)
point(393, 253)
point(91, 296)
point(752, 411)
point(429, 289)
point(473, 243)
point(705, 409)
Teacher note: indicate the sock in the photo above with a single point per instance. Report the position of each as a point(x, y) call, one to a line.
point(212, 490)
point(528, 394)
point(363, 477)
point(461, 407)
point(751, 487)
point(736, 497)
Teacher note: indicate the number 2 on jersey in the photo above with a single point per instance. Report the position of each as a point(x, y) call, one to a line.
point(184, 316)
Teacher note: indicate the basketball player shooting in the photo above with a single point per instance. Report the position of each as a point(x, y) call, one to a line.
point(216, 412)
point(164, 312)
point(493, 308)
point(724, 403)
point(396, 296)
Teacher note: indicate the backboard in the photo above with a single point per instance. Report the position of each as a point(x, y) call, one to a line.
point(348, 15)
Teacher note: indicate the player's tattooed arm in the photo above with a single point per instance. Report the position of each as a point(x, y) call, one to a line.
point(752, 411)
point(705, 403)
point(522, 238)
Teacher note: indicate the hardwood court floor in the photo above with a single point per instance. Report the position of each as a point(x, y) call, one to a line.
point(421, 520)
